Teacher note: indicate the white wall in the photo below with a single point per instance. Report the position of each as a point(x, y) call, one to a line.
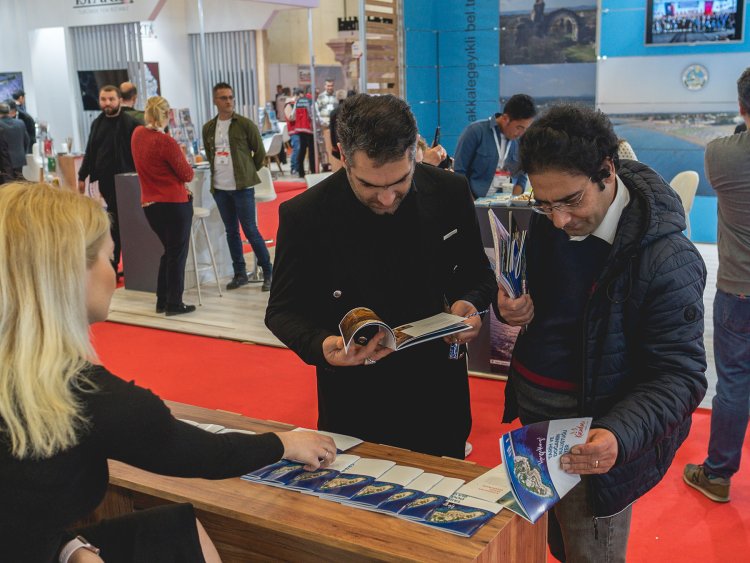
point(171, 49)
point(654, 84)
point(56, 97)
point(14, 46)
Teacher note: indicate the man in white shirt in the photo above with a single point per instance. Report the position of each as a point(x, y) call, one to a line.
point(235, 150)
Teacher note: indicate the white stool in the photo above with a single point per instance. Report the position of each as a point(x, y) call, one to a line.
point(199, 215)
point(263, 192)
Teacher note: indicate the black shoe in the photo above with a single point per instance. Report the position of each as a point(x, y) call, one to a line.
point(266, 282)
point(237, 281)
point(180, 309)
point(161, 307)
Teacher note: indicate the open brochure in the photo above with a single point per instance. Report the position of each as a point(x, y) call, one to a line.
point(530, 481)
point(360, 324)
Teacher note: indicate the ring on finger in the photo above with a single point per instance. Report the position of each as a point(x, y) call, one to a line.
point(596, 464)
point(369, 361)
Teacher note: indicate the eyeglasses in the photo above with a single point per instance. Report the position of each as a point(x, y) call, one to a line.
point(547, 209)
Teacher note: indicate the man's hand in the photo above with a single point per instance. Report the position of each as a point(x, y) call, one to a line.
point(517, 189)
point(596, 456)
point(464, 309)
point(434, 155)
point(81, 186)
point(515, 312)
point(333, 351)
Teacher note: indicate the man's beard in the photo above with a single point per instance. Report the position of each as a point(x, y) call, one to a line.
point(111, 111)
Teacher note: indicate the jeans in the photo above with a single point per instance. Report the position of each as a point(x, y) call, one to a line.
point(172, 223)
point(730, 406)
point(239, 206)
point(306, 144)
point(294, 140)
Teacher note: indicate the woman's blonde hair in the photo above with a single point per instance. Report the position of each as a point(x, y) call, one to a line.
point(48, 239)
point(156, 113)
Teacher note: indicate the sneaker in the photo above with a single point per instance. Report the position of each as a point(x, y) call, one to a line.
point(180, 309)
point(468, 448)
point(715, 488)
point(266, 282)
point(237, 281)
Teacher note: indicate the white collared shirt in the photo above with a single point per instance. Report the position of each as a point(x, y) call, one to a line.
point(608, 227)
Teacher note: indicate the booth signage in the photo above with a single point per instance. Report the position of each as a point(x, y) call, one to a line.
point(69, 13)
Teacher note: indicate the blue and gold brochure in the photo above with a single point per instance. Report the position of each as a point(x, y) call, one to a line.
point(421, 507)
point(354, 479)
point(388, 484)
point(462, 515)
point(276, 472)
point(310, 481)
point(531, 456)
point(413, 491)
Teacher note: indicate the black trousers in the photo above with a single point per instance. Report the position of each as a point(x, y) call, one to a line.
point(306, 144)
point(107, 190)
point(172, 223)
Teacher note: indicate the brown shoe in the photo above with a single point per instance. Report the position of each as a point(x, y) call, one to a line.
point(715, 488)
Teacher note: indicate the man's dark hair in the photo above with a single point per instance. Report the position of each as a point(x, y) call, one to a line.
point(130, 93)
point(220, 86)
point(520, 106)
point(110, 88)
point(383, 127)
point(12, 104)
point(18, 94)
point(743, 90)
point(569, 138)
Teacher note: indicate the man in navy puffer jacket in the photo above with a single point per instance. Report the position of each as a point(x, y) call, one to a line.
point(614, 320)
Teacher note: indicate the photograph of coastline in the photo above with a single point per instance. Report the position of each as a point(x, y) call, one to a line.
point(672, 142)
point(550, 83)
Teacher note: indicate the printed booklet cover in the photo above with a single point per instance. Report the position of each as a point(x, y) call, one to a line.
point(354, 478)
point(414, 490)
point(313, 480)
point(462, 515)
point(531, 458)
point(388, 484)
point(420, 508)
point(360, 324)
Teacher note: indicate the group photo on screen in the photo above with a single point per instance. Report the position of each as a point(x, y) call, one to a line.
point(694, 21)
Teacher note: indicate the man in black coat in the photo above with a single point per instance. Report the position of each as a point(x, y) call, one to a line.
point(16, 137)
point(108, 153)
point(19, 97)
point(614, 320)
point(401, 239)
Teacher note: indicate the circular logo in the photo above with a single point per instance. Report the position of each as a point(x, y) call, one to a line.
point(694, 77)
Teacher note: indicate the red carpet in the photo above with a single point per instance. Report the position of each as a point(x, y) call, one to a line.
point(268, 212)
point(671, 523)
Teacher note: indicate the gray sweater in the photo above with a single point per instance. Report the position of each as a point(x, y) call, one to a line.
point(727, 165)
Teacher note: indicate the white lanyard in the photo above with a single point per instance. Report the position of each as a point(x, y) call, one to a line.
point(500, 163)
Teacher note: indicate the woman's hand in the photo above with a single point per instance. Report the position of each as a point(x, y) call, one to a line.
point(313, 449)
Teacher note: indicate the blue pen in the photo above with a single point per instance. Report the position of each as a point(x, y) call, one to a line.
point(453, 349)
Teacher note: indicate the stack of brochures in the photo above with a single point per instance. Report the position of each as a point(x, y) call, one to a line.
point(529, 482)
point(510, 257)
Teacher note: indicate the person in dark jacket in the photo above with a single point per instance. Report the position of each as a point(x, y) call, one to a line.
point(614, 320)
point(6, 168)
point(108, 154)
point(16, 137)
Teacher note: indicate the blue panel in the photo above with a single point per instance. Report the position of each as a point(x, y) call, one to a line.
point(421, 84)
point(454, 116)
point(448, 141)
point(455, 15)
point(462, 49)
point(623, 34)
point(426, 115)
point(418, 14)
point(421, 48)
point(460, 84)
point(703, 220)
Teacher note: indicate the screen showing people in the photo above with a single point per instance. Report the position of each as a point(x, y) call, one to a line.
point(693, 21)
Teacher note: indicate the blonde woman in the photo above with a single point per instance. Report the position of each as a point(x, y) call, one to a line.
point(162, 171)
point(62, 415)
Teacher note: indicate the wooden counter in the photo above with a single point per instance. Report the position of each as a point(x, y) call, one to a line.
point(253, 522)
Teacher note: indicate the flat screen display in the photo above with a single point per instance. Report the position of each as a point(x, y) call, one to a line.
point(91, 81)
point(676, 22)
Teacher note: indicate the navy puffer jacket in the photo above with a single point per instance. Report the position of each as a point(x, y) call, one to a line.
point(645, 363)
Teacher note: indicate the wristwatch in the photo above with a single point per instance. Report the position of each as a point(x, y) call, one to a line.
point(79, 542)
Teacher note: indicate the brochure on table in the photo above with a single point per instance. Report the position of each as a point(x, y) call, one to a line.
point(382, 486)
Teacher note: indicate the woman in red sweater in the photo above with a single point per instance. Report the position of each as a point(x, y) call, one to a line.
point(163, 170)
